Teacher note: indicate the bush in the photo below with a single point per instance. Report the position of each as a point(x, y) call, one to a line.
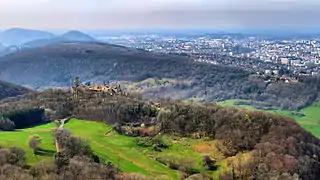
point(17, 156)
point(178, 163)
point(6, 124)
point(13, 156)
point(156, 143)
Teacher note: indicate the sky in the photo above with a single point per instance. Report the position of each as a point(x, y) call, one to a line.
point(122, 14)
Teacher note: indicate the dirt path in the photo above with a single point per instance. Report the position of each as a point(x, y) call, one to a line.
point(62, 122)
point(42, 130)
point(308, 123)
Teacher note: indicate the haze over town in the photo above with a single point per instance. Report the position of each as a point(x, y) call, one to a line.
point(159, 89)
point(214, 14)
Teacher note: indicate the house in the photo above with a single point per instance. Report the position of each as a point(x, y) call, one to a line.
point(268, 71)
point(295, 61)
point(276, 72)
point(285, 61)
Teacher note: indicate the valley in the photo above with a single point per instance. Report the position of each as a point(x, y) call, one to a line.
point(56, 65)
point(159, 90)
point(94, 110)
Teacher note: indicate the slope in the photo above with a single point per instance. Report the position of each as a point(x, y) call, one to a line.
point(77, 36)
point(56, 65)
point(307, 117)
point(277, 143)
point(10, 90)
point(2, 47)
point(19, 36)
point(120, 149)
point(68, 37)
point(20, 138)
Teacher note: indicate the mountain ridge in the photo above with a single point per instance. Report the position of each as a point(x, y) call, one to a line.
point(19, 36)
point(70, 36)
point(10, 90)
point(56, 65)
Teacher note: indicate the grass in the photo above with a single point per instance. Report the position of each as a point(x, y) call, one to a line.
point(20, 139)
point(310, 122)
point(121, 150)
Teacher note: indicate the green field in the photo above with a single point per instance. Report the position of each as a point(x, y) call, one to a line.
point(20, 138)
point(311, 120)
point(124, 153)
point(121, 150)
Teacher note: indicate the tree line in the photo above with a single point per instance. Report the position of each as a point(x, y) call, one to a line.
point(277, 145)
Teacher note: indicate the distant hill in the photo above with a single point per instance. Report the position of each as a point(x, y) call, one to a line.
point(2, 47)
point(19, 36)
point(154, 75)
point(2, 50)
point(9, 49)
point(77, 36)
point(71, 36)
point(11, 90)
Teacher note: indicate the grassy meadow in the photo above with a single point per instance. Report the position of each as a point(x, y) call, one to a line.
point(20, 138)
point(119, 149)
point(310, 121)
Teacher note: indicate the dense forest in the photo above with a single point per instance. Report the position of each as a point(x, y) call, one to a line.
point(277, 146)
point(11, 90)
point(56, 65)
point(23, 118)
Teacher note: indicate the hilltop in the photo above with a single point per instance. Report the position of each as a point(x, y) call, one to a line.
point(77, 36)
point(248, 140)
point(19, 36)
point(153, 75)
point(68, 37)
point(11, 90)
point(2, 47)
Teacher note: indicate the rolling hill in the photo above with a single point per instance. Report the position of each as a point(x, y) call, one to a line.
point(11, 90)
point(2, 47)
point(19, 36)
point(77, 36)
point(2, 50)
point(153, 75)
point(240, 142)
point(68, 37)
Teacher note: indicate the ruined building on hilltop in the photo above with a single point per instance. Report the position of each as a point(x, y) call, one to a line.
point(112, 90)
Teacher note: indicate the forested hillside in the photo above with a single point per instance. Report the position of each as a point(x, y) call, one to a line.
point(10, 90)
point(19, 36)
point(175, 77)
point(275, 146)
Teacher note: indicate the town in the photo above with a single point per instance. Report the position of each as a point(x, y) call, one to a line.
point(264, 55)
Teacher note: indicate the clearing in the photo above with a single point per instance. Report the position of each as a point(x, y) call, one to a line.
point(310, 121)
point(119, 149)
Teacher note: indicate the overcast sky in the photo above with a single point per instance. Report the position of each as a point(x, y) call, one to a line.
point(119, 14)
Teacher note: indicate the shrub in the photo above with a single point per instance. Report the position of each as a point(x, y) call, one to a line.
point(6, 124)
point(156, 143)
